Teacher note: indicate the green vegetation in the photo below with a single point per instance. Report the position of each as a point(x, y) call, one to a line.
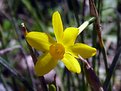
point(102, 72)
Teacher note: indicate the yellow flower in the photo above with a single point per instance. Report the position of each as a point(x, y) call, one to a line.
point(64, 48)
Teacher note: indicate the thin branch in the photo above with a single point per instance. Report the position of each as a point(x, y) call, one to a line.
point(3, 51)
point(94, 13)
point(91, 77)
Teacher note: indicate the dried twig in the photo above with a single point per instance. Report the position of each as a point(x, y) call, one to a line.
point(3, 51)
point(91, 77)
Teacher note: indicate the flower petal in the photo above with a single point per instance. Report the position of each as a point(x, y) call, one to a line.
point(71, 63)
point(45, 64)
point(57, 26)
point(83, 50)
point(70, 35)
point(40, 41)
point(83, 26)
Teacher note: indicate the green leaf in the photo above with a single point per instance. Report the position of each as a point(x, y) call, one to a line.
point(52, 87)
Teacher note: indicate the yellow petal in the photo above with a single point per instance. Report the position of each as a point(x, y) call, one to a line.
point(57, 26)
point(70, 35)
point(45, 64)
point(40, 41)
point(83, 50)
point(71, 63)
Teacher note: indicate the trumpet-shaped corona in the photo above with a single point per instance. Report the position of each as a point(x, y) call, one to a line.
point(57, 51)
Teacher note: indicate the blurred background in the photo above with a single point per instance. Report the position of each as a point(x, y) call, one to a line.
point(16, 64)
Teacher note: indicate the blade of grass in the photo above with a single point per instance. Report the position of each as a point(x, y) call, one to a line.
point(15, 74)
point(118, 29)
point(34, 14)
point(111, 69)
point(15, 26)
point(3, 82)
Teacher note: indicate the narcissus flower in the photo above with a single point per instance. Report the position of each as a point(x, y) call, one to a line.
point(63, 48)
